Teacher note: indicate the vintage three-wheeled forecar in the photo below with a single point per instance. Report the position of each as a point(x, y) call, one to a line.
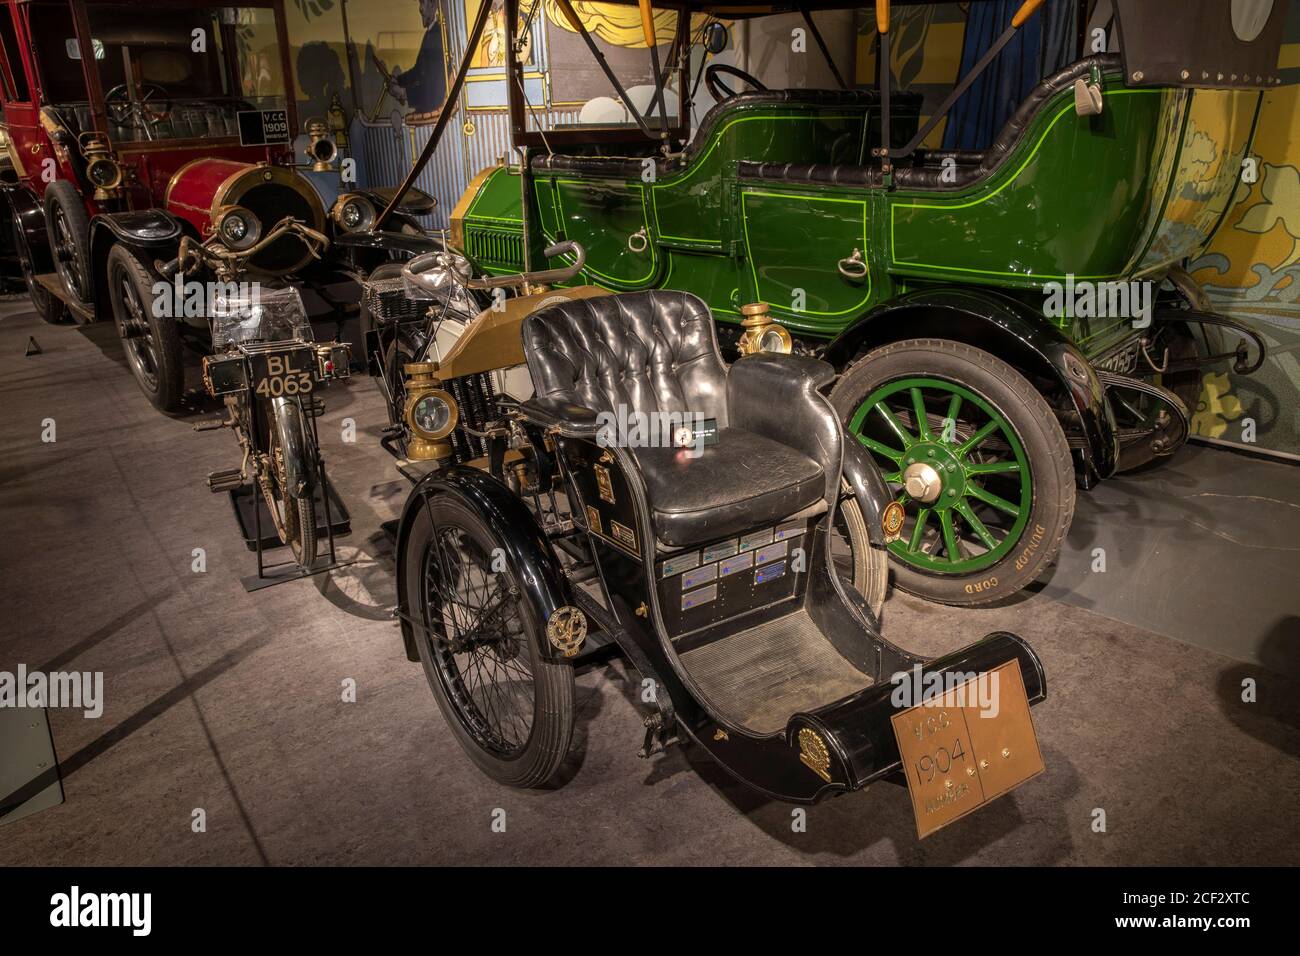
point(739, 567)
point(924, 277)
point(134, 125)
point(535, 542)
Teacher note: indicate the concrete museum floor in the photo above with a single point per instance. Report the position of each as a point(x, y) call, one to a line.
point(230, 702)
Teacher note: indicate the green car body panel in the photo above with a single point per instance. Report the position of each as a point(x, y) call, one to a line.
point(781, 199)
point(1124, 194)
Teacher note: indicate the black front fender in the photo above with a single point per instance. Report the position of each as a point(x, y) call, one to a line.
point(868, 488)
point(1004, 327)
point(295, 444)
point(144, 227)
point(29, 219)
point(154, 232)
point(527, 549)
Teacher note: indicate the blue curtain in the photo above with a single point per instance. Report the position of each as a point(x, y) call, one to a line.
point(983, 109)
point(1060, 40)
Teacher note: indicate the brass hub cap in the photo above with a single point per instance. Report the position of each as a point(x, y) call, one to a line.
point(923, 482)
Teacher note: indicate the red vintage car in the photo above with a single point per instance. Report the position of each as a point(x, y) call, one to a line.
point(132, 125)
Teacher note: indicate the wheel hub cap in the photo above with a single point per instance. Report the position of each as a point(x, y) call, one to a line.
point(932, 474)
point(922, 482)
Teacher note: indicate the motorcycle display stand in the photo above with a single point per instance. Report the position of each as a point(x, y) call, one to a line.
point(255, 520)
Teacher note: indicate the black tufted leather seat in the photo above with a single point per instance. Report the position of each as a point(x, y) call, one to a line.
point(657, 351)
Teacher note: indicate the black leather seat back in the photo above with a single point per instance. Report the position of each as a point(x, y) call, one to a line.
point(927, 170)
point(591, 162)
point(653, 351)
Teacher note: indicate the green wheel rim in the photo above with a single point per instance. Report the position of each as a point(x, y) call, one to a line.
point(986, 494)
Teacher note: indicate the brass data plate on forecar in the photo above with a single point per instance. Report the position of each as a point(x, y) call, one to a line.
point(956, 757)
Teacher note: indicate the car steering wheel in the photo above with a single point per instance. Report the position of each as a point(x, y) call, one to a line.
point(721, 91)
point(121, 108)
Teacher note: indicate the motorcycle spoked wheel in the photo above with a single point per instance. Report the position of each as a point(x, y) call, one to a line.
point(294, 517)
point(479, 639)
point(1003, 471)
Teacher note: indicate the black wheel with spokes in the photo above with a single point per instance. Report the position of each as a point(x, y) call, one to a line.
point(69, 231)
point(48, 306)
point(152, 342)
point(479, 639)
point(293, 510)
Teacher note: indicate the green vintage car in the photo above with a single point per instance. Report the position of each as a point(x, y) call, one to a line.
point(1008, 322)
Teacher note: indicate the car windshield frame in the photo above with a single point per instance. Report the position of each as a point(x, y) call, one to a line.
point(203, 100)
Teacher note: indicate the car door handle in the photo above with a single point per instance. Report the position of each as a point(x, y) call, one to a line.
point(853, 267)
point(639, 241)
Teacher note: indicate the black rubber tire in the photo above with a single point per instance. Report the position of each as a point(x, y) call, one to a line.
point(870, 567)
point(298, 514)
point(1050, 463)
point(551, 730)
point(47, 305)
point(61, 199)
point(166, 390)
point(303, 541)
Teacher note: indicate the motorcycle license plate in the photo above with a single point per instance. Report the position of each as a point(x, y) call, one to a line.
point(284, 373)
point(967, 746)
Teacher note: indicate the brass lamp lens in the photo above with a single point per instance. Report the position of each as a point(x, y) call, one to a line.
point(434, 415)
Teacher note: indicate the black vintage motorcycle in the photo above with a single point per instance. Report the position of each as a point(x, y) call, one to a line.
point(707, 560)
point(267, 368)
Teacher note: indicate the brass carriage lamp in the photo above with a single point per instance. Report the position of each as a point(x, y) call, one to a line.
point(101, 168)
point(322, 150)
point(761, 333)
point(431, 413)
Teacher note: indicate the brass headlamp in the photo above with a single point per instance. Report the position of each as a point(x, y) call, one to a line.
point(761, 333)
point(431, 413)
point(322, 150)
point(101, 168)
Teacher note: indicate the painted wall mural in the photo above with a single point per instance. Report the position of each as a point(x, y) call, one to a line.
point(1252, 269)
point(380, 71)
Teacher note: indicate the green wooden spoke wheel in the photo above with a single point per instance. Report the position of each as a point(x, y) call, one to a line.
point(976, 458)
point(957, 467)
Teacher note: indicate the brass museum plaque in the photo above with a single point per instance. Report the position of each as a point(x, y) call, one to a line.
point(957, 757)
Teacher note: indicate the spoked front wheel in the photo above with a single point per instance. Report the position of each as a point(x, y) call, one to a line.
point(479, 637)
point(975, 456)
point(150, 339)
point(292, 505)
point(69, 232)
